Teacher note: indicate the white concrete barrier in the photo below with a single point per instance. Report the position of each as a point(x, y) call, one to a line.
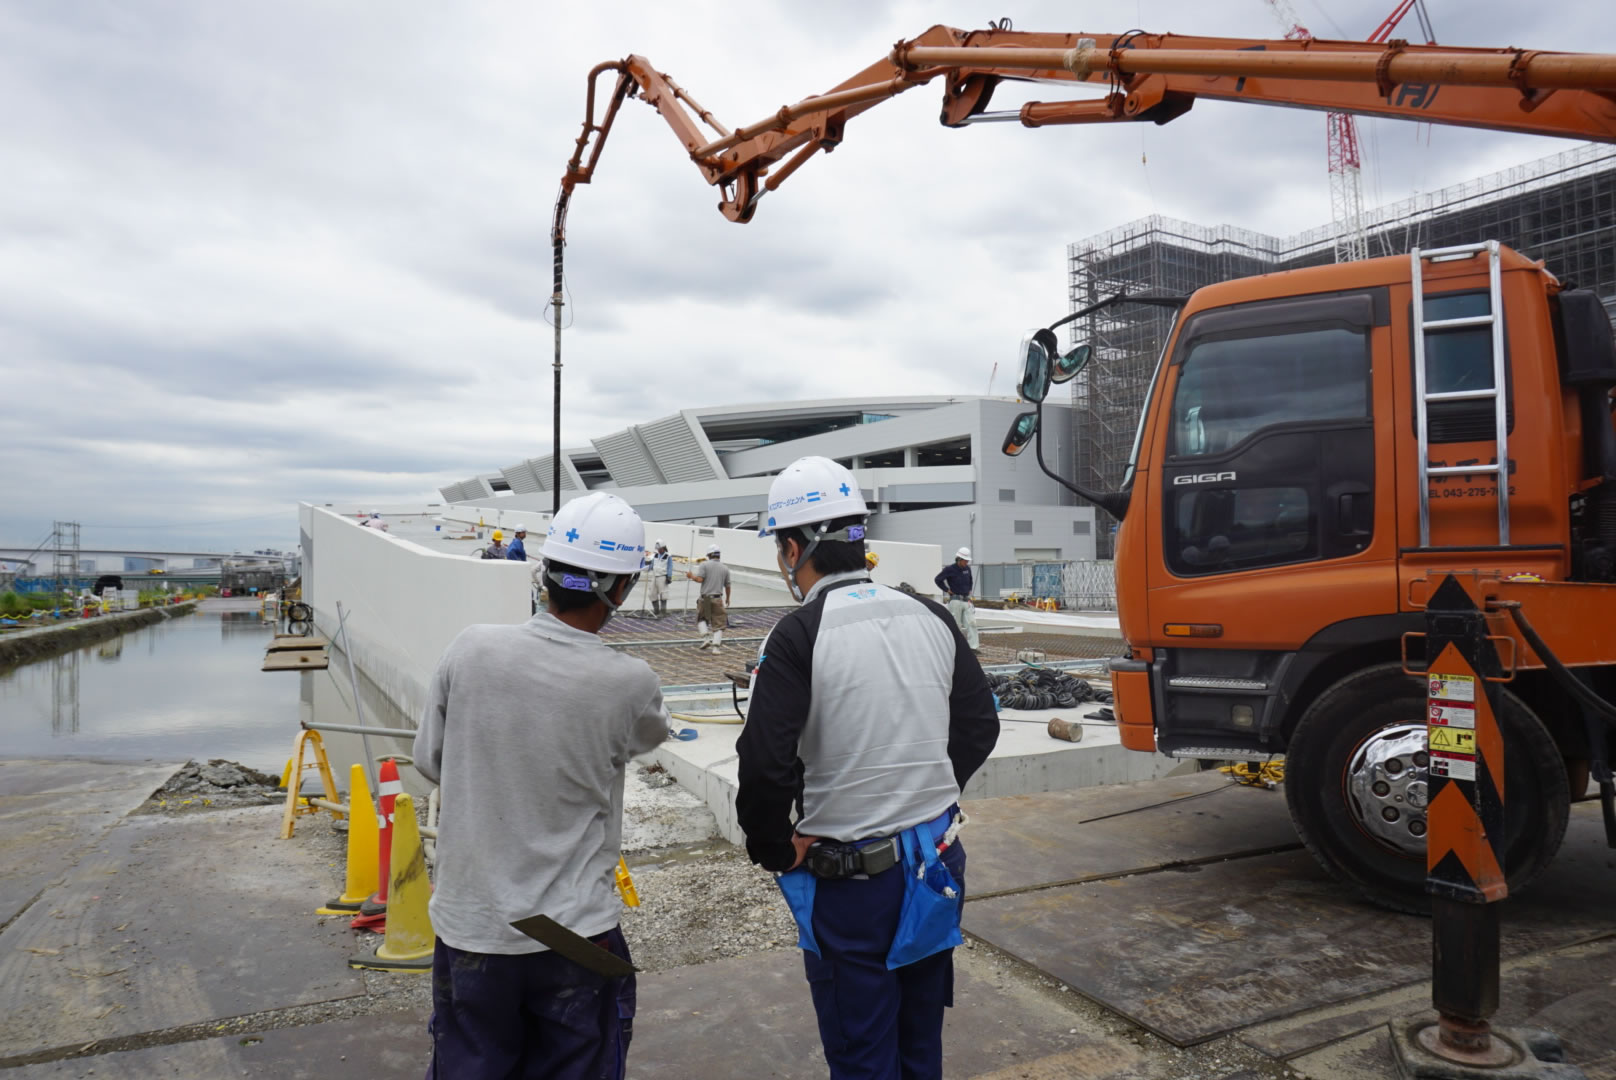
point(744, 549)
point(405, 602)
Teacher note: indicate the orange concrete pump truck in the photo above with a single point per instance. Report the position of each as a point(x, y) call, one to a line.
point(1317, 448)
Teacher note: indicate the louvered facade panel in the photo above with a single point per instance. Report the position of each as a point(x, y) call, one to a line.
point(522, 478)
point(625, 459)
point(678, 451)
point(542, 468)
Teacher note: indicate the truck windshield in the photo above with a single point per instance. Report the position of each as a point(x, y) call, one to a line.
point(1232, 387)
point(1150, 396)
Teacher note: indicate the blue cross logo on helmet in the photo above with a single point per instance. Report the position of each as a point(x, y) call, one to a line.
point(572, 534)
point(845, 489)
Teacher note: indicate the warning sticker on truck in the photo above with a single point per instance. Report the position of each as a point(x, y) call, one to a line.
point(1453, 687)
point(1454, 767)
point(1460, 716)
point(1450, 740)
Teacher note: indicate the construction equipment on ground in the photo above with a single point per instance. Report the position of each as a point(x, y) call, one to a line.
point(1319, 448)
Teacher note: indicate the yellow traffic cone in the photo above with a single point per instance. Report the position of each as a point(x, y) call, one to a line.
point(409, 941)
point(363, 876)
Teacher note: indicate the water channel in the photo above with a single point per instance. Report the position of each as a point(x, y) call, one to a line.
point(188, 687)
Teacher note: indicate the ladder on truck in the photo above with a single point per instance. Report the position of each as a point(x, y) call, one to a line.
point(1497, 394)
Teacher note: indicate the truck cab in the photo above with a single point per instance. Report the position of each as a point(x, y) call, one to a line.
point(1312, 455)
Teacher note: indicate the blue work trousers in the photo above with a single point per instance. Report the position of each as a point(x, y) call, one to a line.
point(877, 1024)
point(528, 1016)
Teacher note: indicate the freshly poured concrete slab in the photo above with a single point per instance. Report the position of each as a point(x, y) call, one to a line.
point(172, 921)
point(1025, 761)
point(752, 1016)
point(1066, 836)
point(390, 1046)
point(51, 812)
point(1194, 955)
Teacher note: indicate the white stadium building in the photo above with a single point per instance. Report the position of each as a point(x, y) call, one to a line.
point(930, 467)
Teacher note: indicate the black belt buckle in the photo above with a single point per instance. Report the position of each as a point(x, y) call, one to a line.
point(835, 862)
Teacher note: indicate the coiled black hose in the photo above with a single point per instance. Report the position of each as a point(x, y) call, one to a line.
point(1041, 688)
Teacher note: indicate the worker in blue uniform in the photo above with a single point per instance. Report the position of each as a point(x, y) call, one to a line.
point(868, 715)
point(517, 552)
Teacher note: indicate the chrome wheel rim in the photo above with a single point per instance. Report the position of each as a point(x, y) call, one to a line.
point(1386, 787)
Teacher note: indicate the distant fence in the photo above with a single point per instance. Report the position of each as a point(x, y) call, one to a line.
point(1078, 586)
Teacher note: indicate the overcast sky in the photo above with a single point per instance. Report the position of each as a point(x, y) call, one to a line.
point(252, 253)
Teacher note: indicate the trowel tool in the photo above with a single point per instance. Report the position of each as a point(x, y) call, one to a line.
point(580, 950)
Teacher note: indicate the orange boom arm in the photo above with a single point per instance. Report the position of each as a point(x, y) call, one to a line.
point(1154, 77)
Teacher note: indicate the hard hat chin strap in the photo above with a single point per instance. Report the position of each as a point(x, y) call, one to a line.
point(847, 535)
point(599, 584)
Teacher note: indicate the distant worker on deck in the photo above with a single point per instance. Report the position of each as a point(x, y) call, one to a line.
point(955, 581)
point(660, 564)
point(712, 607)
point(496, 549)
point(517, 552)
point(528, 730)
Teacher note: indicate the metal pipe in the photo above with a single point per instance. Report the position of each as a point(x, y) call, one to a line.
point(353, 680)
point(426, 831)
point(353, 729)
point(1517, 68)
point(706, 117)
point(673, 641)
point(858, 95)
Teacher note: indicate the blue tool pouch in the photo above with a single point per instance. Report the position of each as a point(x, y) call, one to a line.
point(930, 918)
point(799, 886)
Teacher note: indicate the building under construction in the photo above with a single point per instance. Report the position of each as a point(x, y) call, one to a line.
point(1561, 209)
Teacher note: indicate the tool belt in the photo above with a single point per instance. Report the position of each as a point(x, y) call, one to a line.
point(833, 861)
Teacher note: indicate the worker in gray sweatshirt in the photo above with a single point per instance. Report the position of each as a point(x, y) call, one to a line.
point(528, 730)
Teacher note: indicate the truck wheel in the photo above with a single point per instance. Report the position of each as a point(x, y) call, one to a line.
point(1355, 782)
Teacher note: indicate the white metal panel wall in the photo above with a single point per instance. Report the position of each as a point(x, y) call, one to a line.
point(522, 478)
point(679, 450)
point(626, 459)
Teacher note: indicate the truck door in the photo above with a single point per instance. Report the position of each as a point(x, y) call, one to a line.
point(1268, 462)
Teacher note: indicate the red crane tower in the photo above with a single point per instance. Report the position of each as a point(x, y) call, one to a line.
point(1344, 162)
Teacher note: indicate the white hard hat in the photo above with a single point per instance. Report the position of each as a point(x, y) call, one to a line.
point(963, 553)
point(811, 490)
point(661, 543)
point(598, 532)
point(712, 549)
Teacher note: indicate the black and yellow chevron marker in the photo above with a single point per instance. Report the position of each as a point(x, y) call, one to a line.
point(1465, 809)
point(1465, 872)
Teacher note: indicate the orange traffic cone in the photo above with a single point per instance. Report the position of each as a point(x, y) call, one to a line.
point(373, 911)
point(363, 873)
point(410, 941)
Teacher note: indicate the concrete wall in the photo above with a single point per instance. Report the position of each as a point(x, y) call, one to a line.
point(406, 603)
point(742, 548)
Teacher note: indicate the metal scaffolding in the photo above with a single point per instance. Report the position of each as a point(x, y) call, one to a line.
point(1561, 209)
point(65, 558)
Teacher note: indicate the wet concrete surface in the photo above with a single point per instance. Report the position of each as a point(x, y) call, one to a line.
point(378, 1047)
point(168, 922)
point(187, 947)
point(51, 812)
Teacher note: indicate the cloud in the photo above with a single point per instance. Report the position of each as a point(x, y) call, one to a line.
point(254, 253)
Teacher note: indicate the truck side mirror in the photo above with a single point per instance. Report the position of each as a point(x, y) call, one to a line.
point(1070, 363)
point(1036, 350)
point(1021, 432)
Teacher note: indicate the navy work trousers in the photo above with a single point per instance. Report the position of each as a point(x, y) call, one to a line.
point(877, 1024)
point(528, 1016)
